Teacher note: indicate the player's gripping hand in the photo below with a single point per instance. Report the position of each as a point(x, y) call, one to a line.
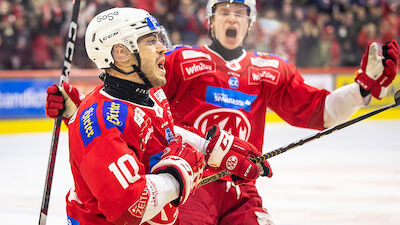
point(62, 101)
point(377, 72)
point(232, 154)
point(185, 163)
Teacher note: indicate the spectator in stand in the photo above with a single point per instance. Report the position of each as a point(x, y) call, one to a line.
point(284, 43)
point(329, 48)
point(390, 24)
point(184, 19)
point(307, 49)
point(368, 33)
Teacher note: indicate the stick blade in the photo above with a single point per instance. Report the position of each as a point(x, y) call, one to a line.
point(397, 97)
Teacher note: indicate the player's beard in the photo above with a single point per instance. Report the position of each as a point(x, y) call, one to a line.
point(154, 73)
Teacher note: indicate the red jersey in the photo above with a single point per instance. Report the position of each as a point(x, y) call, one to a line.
point(203, 89)
point(113, 144)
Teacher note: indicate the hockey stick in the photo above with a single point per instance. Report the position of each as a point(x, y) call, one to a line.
point(69, 52)
point(308, 139)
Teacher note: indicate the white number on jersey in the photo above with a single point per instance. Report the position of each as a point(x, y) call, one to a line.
point(127, 176)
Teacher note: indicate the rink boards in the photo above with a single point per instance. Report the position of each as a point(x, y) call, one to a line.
point(23, 94)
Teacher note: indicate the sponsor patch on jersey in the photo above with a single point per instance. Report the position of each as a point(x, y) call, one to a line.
point(160, 95)
point(138, 208)
point(190, 54)
point(261, 62)
point(169, 135)
point(257, 75)
point(139, 116)
point(72, 221)
point(229, 98)
point(233, 82)
point(88, 125)
point(114, 114)
point(195, 68)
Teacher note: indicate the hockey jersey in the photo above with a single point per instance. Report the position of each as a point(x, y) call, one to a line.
point(203, 89)
point(113, 144)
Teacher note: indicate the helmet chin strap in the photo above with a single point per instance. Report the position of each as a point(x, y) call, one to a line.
point(136, 68)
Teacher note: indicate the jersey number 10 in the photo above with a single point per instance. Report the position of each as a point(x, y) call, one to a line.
point(120, 166)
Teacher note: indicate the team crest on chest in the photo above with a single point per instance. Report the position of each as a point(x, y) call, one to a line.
point(230, 120)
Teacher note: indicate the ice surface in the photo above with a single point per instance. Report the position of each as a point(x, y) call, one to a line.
point(351, 176)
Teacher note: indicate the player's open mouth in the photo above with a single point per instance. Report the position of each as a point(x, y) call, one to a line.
point(231, 33)
point(161, 65)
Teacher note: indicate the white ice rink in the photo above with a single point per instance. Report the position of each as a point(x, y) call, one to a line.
point(349, 177)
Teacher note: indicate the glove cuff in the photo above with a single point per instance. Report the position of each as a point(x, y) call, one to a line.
point(220, 149)
point(364, 80)
point(69, 106)
point(181, 170)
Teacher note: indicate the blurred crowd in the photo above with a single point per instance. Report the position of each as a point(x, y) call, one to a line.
point(308, 33)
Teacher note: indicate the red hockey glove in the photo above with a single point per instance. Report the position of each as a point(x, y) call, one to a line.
point(377, 72)
point(185, 163)
point(232, 154)
point(62, 101)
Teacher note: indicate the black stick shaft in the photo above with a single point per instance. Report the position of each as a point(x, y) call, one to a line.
point(69, 52)
point(304, 140)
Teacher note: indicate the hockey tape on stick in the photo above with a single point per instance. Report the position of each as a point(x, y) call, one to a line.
point(69, 52)
point(292, 145)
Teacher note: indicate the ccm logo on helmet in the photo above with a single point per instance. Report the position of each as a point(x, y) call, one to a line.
point(109, 16)
point(109, 36)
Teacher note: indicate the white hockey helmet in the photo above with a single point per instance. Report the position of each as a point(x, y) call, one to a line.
point(251, 4)
point(119, 26)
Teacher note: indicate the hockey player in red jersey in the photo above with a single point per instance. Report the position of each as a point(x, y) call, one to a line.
point(225, 85)
point(128, 165)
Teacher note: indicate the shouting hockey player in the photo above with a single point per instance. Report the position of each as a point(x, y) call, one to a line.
point(225, 85)
point(128, 166)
